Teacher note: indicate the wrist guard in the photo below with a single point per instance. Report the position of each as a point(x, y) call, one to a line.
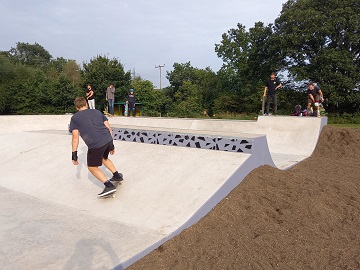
point(74, 156)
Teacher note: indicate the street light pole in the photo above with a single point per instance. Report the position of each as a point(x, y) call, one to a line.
point(159, 67)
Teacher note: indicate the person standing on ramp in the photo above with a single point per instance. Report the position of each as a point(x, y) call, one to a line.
point(131, 103)
point(110, 98)
point(95, 130)
point(272, 85)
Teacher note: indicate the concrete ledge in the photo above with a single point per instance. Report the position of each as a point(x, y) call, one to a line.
point(195, 139)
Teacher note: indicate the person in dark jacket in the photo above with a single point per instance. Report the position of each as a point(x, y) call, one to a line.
point(131, 102)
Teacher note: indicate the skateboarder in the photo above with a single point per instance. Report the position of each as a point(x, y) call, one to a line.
point(315, 95)
point(95, 130)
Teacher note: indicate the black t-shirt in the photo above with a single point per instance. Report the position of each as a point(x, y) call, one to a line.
point(271, 84)
point(90, 124)
point(88, 91)
point(315, 91)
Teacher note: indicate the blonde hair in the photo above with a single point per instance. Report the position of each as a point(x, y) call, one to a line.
point(80, 102)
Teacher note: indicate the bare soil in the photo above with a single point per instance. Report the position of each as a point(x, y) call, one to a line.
point(307, 217)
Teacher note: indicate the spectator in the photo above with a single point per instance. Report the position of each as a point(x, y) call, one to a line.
point(110, 98)
point(90, 96)
point(272, 85)
point(131, 102)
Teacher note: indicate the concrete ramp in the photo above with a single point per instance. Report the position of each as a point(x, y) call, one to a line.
point(51, 217)
point(290, 139)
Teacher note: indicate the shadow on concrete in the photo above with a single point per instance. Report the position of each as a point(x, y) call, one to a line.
point(85, 252)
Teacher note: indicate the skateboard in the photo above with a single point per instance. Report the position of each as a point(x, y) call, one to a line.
point(263, 105)
point(126, 112)
point(112, 195)
point(106, 111)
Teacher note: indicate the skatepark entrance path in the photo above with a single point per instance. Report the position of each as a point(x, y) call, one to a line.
point(51, 217)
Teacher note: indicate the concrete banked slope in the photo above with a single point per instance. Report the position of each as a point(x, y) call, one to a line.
point(175, 172)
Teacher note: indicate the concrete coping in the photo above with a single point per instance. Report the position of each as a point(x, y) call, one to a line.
point(204, 139)
point(208, 133)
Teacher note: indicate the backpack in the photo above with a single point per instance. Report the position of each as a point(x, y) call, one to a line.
point(297, 110)
point(305, 112)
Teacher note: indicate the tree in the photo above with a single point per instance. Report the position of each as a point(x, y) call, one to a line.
point(100, 72)
point(153, 101)
point(234, 51)
point(30, 54)
point(320, 40)
point(248, 60)
point(192, 90)
point(71, 72)
point(31, 88)
point(7, 75)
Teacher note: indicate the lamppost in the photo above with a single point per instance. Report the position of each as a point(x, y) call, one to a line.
point(159, 67)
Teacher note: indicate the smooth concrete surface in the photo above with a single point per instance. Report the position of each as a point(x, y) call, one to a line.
point(51, 217)
point(290, 139)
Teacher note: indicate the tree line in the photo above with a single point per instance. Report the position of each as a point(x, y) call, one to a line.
point(317, 40)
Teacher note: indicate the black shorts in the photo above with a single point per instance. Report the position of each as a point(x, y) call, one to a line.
point(95, 156)
point(316, 98)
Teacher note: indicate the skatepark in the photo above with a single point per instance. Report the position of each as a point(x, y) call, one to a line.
point(175, 172)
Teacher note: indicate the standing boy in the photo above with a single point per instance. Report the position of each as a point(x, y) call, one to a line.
point(272, 85)
point(131, 102)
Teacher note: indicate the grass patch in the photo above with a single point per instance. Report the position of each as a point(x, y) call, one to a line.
point(346, 125)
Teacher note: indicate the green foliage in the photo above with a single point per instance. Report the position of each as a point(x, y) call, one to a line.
point(187, 100)
point(343, 119)
point(320, 40)
point(234, 51)
point(248, 58)
point(192, 90)
point(154, 101)
point(100, 72)
point(228, 103)
point(31, 84)
point(30, 54)
point(248, 61)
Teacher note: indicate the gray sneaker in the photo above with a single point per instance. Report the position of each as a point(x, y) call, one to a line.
point(107, 191)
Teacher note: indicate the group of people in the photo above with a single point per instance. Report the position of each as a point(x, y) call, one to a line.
point(314, 93)
point(93, 127)
point(110, 99)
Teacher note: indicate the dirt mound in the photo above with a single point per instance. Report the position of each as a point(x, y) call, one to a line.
point(307, 217)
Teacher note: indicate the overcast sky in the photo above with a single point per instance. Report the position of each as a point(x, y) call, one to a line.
point(141, 34)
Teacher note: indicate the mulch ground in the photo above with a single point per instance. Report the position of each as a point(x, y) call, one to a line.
point(307, 217)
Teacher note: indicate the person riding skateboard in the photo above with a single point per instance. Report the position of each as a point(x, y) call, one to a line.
point(95, 130)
